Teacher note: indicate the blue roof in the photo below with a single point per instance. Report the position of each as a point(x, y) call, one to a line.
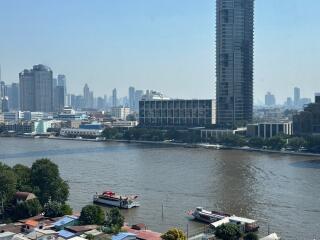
point(65, 220)
point(122, 235)
point(66, 234)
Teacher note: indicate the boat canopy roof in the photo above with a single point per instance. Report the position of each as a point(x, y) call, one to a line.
point(232, 219)
point(241, 220)
point(220, 222)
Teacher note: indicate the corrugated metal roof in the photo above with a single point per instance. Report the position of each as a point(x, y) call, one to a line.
point(121, 236)
point(65, 220)
point(65, 234)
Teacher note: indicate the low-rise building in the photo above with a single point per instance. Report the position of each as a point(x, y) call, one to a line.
point(120, 112)
point(65, 222)
point(269, 130)
point(307, 122)
point(78, 132)
point(21, 197)
point(19, 128)
point(176, 113)
point(124, 124)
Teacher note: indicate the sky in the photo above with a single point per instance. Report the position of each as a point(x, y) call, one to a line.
point(165, 45)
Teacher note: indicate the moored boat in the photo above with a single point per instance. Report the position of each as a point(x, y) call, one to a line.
point(207, 216)
point(216, 219)
point(112, 199)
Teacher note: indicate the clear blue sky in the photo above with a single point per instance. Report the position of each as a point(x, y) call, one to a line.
point(167, 45)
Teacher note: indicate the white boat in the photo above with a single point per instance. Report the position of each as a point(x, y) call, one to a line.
point(207, 216)
point(112, 199)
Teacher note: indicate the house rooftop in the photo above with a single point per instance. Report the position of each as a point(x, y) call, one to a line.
point(81, 229)
point(123, 235)
point(66, 234)
point(64, 220)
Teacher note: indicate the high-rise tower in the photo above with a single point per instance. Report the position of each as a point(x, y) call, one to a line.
point(234, 62)
point(36, 89)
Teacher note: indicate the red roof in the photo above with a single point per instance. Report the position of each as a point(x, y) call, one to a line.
point(32, 223)
point(144, 234)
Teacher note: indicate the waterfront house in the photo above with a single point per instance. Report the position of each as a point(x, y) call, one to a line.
point(80, 229)
point(66, 234)
point(30, 225)
point(142, 233)
point(6, 235)
point(21, 197)
point(42, 234)
point(65, 222)
point(12, 227)
point(20, 236)
point(124, 236)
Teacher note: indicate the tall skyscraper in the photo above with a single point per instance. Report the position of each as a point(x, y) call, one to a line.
point(59, 98)
point(13, 96)
point(62, 81)
point(3, 89)
point(296, 96)
point(234, 62)
point(131, 98)
point(270, 99)
point(36, 89)
point(137, 97)
point(114, 98)
point(86, 95)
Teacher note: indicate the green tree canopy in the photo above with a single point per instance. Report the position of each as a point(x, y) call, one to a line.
point(228, 232)
point(23, 174)
point(92, 214)
point(251, 236)
point(297, 142)
point(276, 143)
point(256, 142)
point(8, 183)
point(114, 220)
point(174, 234)
point(56, 209)
point(27, 209)
point(48, 184)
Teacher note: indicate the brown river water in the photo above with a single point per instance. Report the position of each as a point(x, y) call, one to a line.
point(282, 192)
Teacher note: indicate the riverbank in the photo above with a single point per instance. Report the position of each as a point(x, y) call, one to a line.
point(196, 145)
point(186, 145)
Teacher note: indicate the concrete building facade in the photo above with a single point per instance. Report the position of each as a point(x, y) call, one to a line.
point(36, 89)
point(176, 113)
point(234, 62)
point(269, 130)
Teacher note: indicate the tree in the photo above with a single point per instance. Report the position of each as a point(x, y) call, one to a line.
point(228, 231)
point(8, 183)
point(23, 174)
point(27, 209)
point(276, 143)
point(56, 209)
point(297, 142)
point(89, 237)
point(256, 142)
point(48, 184)
point(114, 220)
point(251, 236)
point(92, 214)
point(174, 234)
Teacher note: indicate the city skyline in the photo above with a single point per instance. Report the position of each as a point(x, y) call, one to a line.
point(172, 51)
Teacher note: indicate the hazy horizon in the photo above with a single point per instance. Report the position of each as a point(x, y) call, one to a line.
point(166, 45)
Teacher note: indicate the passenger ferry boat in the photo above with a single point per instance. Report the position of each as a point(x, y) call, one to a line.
point(216, 219)
point(207, 216)
point(112, 199)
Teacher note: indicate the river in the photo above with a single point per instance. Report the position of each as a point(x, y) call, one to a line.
point(282, 192)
